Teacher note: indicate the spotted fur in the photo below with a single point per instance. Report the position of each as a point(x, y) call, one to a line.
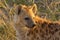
point(43, 30)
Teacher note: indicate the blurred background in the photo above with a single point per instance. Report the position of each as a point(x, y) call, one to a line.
point(49, 9)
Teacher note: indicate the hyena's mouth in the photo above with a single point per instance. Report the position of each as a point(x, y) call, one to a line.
point(31, 26)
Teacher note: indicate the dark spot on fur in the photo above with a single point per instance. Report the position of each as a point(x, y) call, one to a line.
point(36, 22)
point(44, 24)
point(51, 32)
point(28, 34)
point(37, 38)
point(56, 38)
point(42, 35)
point(46, 32)
point(36, 31)
point(59, 33)
point(56, 30)
point(51, 25)
point(56, 24)
point(41, 31)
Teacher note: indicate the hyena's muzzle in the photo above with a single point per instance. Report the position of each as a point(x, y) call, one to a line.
point(30, 22)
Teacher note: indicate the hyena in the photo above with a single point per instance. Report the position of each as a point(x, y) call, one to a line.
point(31, 27)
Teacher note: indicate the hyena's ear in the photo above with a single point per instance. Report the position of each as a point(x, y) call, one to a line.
point(34, 8)
point(19, 8)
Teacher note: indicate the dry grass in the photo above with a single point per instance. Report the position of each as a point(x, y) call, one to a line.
point(6, 25)
point(7, 31)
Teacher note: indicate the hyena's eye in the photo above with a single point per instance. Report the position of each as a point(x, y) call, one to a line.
point(26, 18)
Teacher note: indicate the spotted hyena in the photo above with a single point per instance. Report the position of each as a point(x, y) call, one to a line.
point(31, 27)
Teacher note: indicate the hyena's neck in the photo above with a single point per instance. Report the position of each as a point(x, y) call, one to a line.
point(21, 31)
point(38, 19)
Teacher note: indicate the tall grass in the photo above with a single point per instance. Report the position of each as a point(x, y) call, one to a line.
point(50, 8)
point(7, 31)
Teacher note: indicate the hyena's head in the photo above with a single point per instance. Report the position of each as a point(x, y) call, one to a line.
point(25, 15)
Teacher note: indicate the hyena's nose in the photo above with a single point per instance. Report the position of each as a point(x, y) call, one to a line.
point(33, 25)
